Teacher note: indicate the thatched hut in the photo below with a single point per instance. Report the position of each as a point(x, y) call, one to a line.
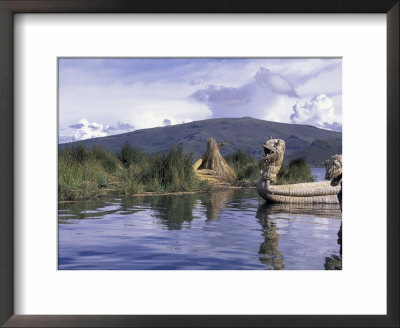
point(213, 164)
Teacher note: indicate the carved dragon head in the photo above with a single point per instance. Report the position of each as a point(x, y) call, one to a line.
point(334, 169)
point(274, 150)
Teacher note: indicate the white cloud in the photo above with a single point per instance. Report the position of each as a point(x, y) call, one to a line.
point(266, 95)
point(153, 113)
point(318, 111)
point(278, 84)
point(86, 130)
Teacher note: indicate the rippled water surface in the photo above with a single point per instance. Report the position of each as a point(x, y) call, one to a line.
point(224, 230)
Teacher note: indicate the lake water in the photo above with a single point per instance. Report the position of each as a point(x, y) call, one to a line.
point(222, 230)
point(318, 173)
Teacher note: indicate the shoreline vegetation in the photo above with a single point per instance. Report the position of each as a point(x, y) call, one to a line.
point(94, 173)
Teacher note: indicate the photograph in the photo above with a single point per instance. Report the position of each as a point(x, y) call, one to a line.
point(182, 163)
point(161, 160)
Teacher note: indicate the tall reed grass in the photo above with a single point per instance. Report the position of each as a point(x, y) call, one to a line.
point(296, 172)
point(249, 170)
point(89, 173)
point(245, 167)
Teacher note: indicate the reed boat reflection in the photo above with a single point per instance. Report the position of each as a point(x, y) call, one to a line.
point(267, 215)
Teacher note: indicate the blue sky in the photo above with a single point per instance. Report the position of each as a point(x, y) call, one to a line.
point(100, 97)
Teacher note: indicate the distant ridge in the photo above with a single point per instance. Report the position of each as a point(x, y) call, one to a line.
point(244, 133)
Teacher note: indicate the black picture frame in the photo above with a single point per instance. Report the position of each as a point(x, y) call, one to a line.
point(10, 7)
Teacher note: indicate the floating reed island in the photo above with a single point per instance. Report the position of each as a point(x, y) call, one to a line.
point(94, 173)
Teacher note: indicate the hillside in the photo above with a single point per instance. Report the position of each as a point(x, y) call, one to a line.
point(319, 151)
point(245, 133)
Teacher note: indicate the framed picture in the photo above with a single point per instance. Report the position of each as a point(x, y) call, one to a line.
point(80, 91)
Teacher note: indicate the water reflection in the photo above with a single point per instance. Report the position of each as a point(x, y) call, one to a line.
point(268, 216)
point(216, 201)
point(231, 229)
point(271, 256)
point(173, 211)
point(69, 212)
point(334, 262)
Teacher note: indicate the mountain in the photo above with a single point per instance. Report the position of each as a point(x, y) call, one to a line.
point(245, 133)
point(319, 151)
